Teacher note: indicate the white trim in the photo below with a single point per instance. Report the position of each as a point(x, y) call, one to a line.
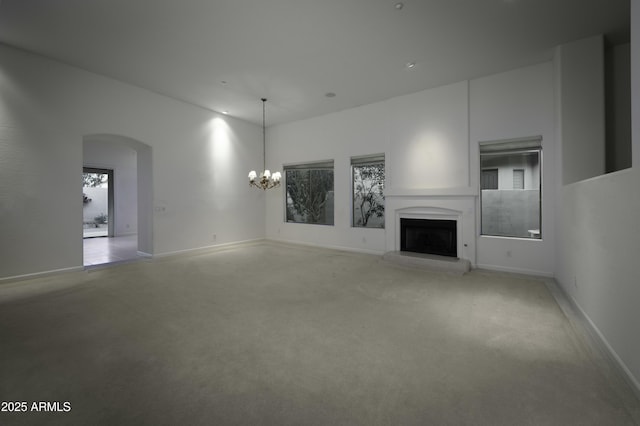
point(224, 246)
point(515, 270)
point(327, 246)
point(596, 336)
point(357, 160)
point(41, 274)
point(126, 234)
point(321, 164)
point(503, 237)
point(536, 138)
point(628, 375)
point(601, 177)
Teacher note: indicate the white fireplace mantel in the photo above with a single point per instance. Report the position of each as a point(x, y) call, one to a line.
point(457, 204)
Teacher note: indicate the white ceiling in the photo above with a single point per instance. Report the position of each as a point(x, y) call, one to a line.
point(225, 55)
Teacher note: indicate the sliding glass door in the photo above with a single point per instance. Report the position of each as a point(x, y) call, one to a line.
point(97, 202)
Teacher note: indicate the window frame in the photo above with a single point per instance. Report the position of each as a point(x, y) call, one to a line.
point(519, 172)
point(489, 169)
point(309, 166)
point(365, 160)
point(506, 147)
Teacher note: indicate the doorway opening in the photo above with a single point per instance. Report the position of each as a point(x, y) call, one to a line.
point(117, 199)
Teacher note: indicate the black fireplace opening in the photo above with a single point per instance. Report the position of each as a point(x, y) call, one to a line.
point(431, 236)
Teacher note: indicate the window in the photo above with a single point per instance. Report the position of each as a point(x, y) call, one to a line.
point(518, 178)
point(510, 185)
point(309, 197)
point(367, 178)
point(489, 179)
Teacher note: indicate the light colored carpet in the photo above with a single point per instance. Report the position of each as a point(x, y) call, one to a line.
point(273, 334)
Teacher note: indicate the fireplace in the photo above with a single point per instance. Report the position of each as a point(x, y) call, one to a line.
point(431, 236)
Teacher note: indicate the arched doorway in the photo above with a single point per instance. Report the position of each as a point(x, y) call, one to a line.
point(130, 215)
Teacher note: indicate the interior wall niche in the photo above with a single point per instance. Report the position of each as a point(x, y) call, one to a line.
point(617, 106)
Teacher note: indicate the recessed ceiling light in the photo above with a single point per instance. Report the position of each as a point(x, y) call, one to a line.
point(410, 65)
point(225, 112)
point(330, 95)
point(399, 5)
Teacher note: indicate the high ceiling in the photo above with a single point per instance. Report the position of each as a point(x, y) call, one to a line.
point(225, 55)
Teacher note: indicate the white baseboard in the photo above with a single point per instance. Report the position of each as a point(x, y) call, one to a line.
point(41, 274)
point(140, 253)
point(327, 246)
point(214, 247)
point(514, 270)
point(598, 339)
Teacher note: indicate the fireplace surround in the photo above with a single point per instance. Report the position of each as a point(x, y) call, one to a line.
point(433, 204)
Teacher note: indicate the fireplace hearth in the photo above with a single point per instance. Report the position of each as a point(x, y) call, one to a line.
point(430, 236)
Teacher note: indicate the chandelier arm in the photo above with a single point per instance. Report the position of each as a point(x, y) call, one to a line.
point(265, 184)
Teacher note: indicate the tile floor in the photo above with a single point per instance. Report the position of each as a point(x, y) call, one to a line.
point(100, 231)
point(101, 250)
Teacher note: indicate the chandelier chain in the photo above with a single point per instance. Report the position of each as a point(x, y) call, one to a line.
point(267, 180)
point(264, 136)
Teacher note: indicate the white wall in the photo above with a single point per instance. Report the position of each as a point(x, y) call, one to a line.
point(338, 136)
point(510, 105)
point(582, 108)
point(46, 108)
point(598, 248)
point(98, 203)
point(425, 140)
point(432, 160)
point(599, 252)
point(123, 161)
point(428, 139)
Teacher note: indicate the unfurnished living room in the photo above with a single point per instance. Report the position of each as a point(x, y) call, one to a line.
point(361, 212)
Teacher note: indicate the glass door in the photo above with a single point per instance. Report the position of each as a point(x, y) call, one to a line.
point(97, 202)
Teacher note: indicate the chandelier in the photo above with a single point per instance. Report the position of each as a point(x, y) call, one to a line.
point(267, 180)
